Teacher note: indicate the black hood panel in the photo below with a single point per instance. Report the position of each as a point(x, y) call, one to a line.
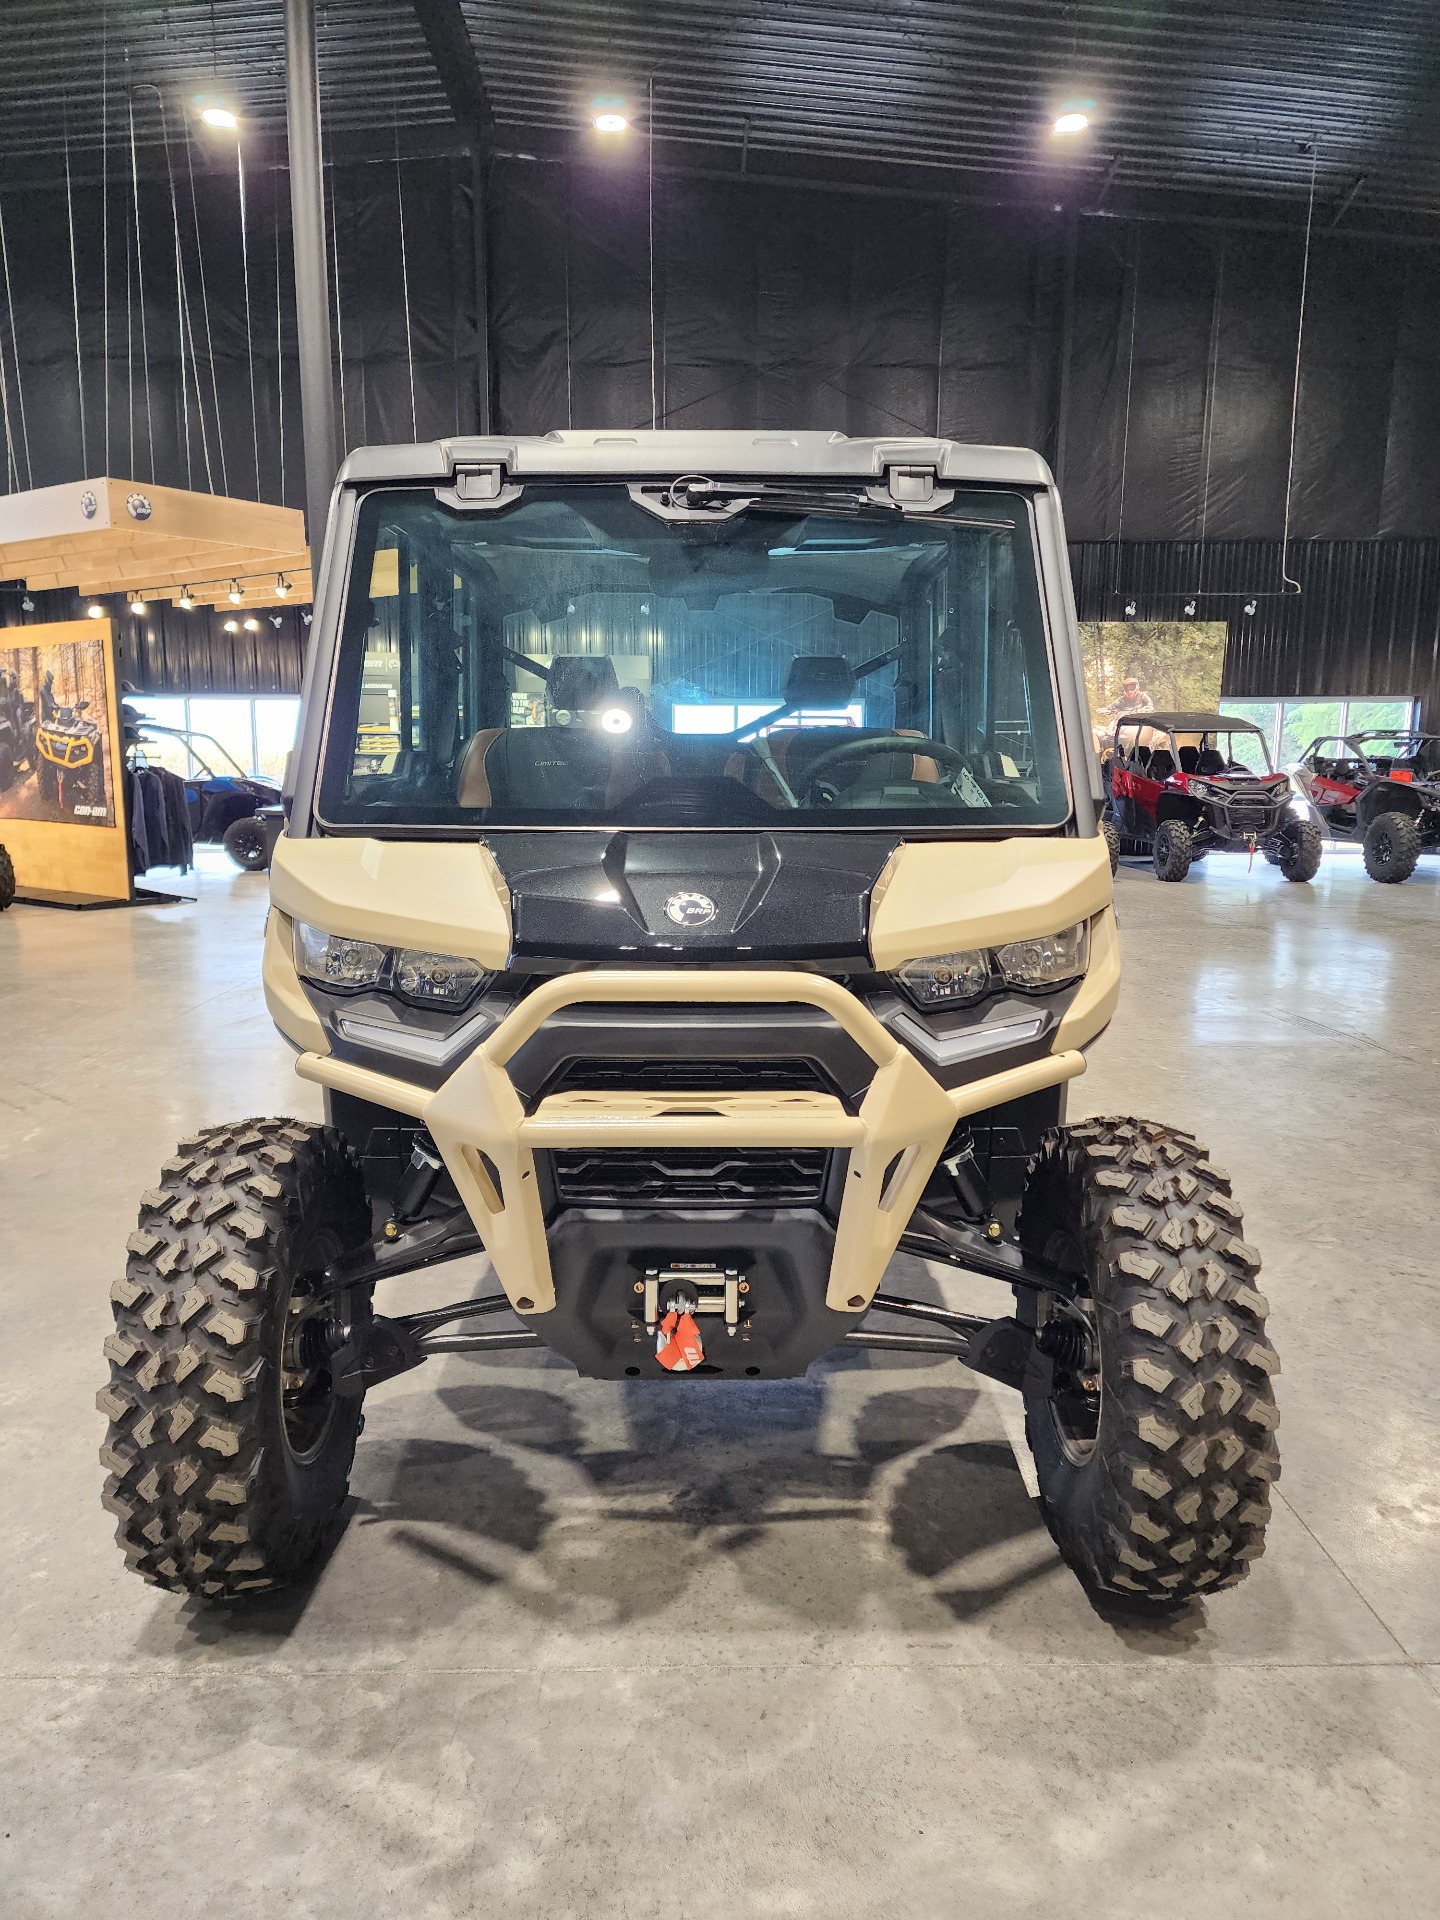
point(692, 896)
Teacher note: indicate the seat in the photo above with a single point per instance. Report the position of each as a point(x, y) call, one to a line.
point(819, 681)
point(1209, 761)
point(1162, 764)
point(1189, 759)
point(566, 764)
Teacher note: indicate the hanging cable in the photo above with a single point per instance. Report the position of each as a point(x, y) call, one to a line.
point(405, 285)
point(249, 328)
point(205, 309)
point(180, 324)
point(12, 470)
point(130, 348)
point(279, 363)
point(105, 219)
point(1133, 276)
point(140, 284)
point(569, 374)
point(74, 283)
point(15, 350)
point(339, 331)
point(650, 155)
point(1288, 585)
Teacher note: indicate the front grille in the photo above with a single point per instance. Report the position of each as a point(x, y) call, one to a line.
point(692, 1177)
point(595, 1075)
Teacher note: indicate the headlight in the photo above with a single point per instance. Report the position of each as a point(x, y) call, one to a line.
point(436, 979)
point(957, 979)
point(428, 979)
point(949, 980)
point(337, 962)
point(1047, 962)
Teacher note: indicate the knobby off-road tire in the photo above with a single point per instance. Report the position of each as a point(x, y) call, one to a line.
point(246, 843)
point(1174, 850)
point(1112, 840)
point(1165, 1495)
point(7, 880)
point(1298, 856)
point(228, 1454)
point(1391, 848)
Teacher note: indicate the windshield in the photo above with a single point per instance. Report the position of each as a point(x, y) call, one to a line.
point(1216, 752)
point(572, 659)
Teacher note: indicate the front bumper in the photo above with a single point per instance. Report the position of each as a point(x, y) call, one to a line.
point(489, 1140)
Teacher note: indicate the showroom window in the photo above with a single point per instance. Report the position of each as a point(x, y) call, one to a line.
point(1290, 725)
point(256, 732)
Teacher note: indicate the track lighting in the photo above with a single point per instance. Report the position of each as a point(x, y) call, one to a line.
point(305, 616)
point(1189, 609)
point(185, 600)
point(137, 605)
point(231, 626)
point(282, 585)
point(235, 594)
point(1250, 605)
point(221, 118)
point(27, 605)
point(1129, 609)
point(95, 610)
point(252, 625)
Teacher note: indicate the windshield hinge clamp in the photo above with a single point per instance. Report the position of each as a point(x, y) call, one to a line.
point(480, 488)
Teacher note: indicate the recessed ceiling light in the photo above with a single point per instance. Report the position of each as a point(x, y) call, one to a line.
point(220, 117)
point(611, 122)
point(1071, 121)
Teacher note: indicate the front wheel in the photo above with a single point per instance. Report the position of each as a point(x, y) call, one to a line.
point(1112, 840)
point(1391, 848)
point(1174, 850)
point(1148, 1402)
point(229, 1453)
point(247, 843)
point(7, 880)
point(1297, 853)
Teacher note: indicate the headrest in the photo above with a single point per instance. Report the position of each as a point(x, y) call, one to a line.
point(824, 680)
point(579, 681)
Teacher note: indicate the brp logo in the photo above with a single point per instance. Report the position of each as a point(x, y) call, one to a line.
point(89, 505)
point(690, 909)
point(138, 507)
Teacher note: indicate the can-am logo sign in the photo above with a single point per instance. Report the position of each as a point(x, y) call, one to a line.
point(690, 909)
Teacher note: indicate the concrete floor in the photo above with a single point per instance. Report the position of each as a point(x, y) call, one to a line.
point(788, 1650)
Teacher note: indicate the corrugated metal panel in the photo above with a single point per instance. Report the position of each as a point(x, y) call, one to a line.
point(1366, 621)
point(1227, 97)
point(167, 650)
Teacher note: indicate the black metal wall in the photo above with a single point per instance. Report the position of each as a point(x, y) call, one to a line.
point(1171, 346)
point(166, 650)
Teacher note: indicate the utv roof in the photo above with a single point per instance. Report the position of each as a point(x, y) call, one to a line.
point(1189, 722)
point(808, 455)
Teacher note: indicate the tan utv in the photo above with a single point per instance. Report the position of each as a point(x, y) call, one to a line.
point(692, 895)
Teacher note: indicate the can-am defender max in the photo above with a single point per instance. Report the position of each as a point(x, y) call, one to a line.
point(731, 914)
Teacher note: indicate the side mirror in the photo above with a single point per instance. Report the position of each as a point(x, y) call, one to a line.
point(81, 705)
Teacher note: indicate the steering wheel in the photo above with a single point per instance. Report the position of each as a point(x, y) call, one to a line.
point(850, 750)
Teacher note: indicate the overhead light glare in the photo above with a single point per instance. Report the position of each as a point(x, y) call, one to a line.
point(1072, 121)
point(610, 122)
point(137, 605)
point(232, 626)
point(220, 117)
point(252, 625)
point(95, 610)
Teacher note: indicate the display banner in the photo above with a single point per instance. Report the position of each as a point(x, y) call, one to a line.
point(1150, 666)
point(62, 818)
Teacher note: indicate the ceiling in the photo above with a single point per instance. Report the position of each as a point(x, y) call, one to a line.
point(1228, 102)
